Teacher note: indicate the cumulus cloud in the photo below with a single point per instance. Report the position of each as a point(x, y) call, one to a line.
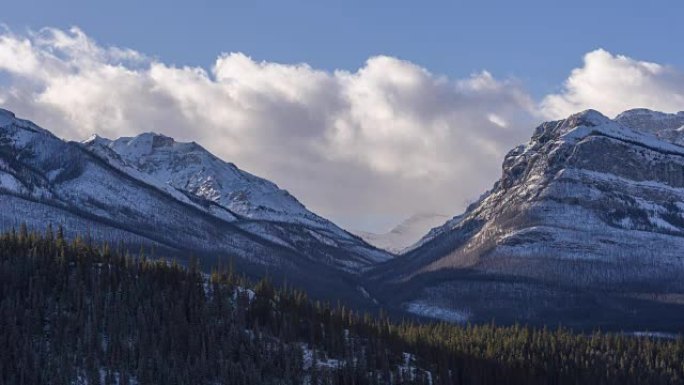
point(615, 83)
point(365, 147)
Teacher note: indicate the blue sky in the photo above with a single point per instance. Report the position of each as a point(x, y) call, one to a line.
point(392, 113)
point(535, 41)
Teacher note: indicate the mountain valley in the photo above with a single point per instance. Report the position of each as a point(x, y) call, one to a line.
point(584, 228)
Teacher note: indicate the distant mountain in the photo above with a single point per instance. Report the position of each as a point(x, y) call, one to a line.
point(669, 127)
point(584, 227)
point(175, 197)
point(405, 234)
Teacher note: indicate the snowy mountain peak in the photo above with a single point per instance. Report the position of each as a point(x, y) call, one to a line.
point(660, 124)
point(153, 140)
point(647, 115)
point(667, 126)
point(558, 149)
point(587, 118)
point(21, 129)
point(6, 117)
point(639, 112)
point(97, 139)
point(151, 190)
point(588, 204)
point(148, 143)
point(613, 174)
point(584, 119)
point(190, 168)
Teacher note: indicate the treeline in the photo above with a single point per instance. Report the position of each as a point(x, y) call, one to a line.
point(72, 312)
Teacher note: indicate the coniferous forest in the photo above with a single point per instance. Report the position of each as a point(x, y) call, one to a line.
point(76, 313)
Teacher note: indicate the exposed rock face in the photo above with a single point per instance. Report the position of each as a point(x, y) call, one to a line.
point(587, 204)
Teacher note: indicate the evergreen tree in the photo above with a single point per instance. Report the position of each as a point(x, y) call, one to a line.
point(73, 311)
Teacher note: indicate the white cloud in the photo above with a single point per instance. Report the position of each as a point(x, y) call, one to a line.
point(363, 147)
point(615, 83)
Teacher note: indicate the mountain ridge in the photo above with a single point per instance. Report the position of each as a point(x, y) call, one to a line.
point(588, 212)
point(45, 180)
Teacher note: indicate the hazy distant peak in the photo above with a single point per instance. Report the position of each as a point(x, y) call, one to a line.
point(406, 233)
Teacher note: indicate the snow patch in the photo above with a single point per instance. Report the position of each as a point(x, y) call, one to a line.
point(6, 117)
point(310, 359)
point(10, 183)
point(437, 312)
point(658, 335)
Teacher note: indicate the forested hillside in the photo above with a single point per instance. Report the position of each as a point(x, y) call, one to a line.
point(79, 313)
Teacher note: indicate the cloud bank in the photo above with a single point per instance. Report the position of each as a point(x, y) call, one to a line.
point(365, 148)
point(615, 83)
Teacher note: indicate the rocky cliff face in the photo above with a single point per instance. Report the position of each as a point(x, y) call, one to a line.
point(587, 204)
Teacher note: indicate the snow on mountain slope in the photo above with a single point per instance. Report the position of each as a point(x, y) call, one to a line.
point(405, 234)
point(135, 196)
point(61, 180)
point(100, 146)
point(649, 121)
point(188, 167)
point(586, 187)
point(665, 126)
point(588, 205)
point(193, 175)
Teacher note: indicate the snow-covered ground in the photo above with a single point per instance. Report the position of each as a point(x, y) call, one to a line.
point(425, 309)
point(657, 335)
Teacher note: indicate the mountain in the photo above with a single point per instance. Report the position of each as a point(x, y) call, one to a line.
point(404, 234)
point(584, 227)
point(174, 197)
point(255, 204)
point(669, 127)
point(192, 170)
